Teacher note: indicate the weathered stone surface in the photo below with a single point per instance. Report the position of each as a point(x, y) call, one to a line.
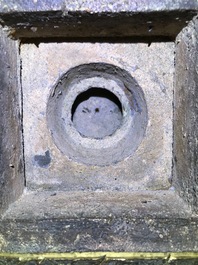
point(11, 159)
point(98, 205)
point(149, 167)
point(96, 6)
point(101, 18)
point(109, 234)
point(80, 221)
point(186, 114)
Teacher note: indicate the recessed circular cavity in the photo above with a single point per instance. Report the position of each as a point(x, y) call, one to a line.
point(97, 114)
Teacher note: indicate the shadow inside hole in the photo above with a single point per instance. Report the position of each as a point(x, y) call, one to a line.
point(95, 92)
point(96, 113)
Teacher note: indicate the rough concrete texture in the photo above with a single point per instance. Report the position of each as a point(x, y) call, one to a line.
point(98, 205)
point(11, 154)
point(96, 6)
point(186, 114)
point(152, 67)
point(55, 222)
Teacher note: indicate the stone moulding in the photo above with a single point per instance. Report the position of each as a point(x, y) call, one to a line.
point(96, 19)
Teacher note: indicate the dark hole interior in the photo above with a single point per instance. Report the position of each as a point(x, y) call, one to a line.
point(95, 92)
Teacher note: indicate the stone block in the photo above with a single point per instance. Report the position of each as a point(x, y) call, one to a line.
point(148, 166)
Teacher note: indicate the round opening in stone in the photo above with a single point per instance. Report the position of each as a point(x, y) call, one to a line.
point(97, 113)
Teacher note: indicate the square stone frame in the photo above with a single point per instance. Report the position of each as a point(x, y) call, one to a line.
point(107, 223)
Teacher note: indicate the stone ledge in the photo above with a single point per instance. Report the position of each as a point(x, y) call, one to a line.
point(65, 222)
point(75, 19)
point(98, 205)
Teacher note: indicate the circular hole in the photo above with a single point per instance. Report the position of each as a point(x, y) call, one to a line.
point(96, 113)
point(94, 125)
